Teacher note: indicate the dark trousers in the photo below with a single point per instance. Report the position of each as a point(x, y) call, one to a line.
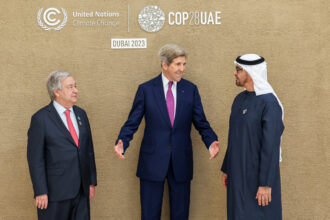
point(71, 209)
point(151, 193)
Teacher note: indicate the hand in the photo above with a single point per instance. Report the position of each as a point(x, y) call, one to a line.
point(214, 149)
point(224, 180)
point(264, 195)
point(91, 191)
point(119, 149)
point(42, 201)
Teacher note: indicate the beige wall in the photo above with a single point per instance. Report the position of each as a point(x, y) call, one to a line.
point(293, 36)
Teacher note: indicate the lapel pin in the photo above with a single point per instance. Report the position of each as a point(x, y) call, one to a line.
point(79, 121)
point(244, 111)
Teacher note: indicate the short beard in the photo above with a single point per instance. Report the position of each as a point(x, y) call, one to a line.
point(238, 83)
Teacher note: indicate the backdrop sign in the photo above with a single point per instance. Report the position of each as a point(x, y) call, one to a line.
point(151, 18)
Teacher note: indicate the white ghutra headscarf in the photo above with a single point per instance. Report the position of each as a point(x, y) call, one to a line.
point(256, 67)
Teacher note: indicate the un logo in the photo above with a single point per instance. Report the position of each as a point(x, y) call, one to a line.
point(151, 18)
point(52, 19)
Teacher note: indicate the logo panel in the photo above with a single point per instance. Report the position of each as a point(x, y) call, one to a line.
point(151, 18)
point(52, 19)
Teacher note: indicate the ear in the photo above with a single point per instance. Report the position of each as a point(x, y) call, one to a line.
point(56, 93)
point(164, 65)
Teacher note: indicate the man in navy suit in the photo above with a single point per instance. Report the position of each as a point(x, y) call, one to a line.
point(60, 154)
point(170, 105)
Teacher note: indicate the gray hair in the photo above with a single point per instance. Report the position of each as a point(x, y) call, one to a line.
point(169, 52)
point(54, 82)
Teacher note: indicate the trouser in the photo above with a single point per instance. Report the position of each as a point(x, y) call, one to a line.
point(151, 193)
point(76, 208)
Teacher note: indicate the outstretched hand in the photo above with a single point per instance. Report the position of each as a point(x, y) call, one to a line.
point(214, 149)
point(119, 149)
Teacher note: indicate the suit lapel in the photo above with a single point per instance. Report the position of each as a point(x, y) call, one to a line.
point(78, 118)
point(160, 99)
point(58, 121)
point(179, 102)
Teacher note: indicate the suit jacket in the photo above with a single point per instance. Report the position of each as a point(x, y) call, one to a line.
point(57, 166)
point(162, 142)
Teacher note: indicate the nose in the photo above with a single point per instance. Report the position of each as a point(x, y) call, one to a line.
point(182, 68)
point(235, 73)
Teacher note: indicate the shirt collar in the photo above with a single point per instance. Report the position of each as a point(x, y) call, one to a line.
point(59, 108)
point(166, 81)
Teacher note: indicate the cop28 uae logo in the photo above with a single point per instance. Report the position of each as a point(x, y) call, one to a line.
point(52, 19)
point(151, 18)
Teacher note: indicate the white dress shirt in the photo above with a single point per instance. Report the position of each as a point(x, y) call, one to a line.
point(165, 86)
point(61, 112)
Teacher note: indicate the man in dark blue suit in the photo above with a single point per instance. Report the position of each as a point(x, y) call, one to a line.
point(170, 105)
point(60, 154)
